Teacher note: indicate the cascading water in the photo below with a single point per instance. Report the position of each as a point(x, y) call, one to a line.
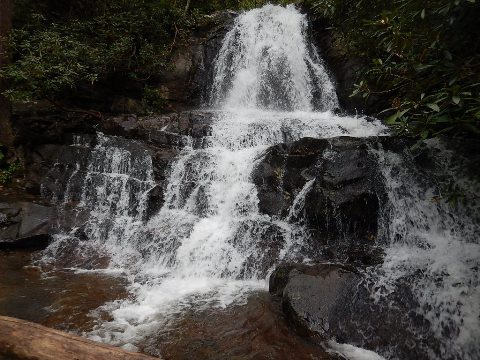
point(203, 248)
point(206, 245)
point(265, 62)
point(433, 247)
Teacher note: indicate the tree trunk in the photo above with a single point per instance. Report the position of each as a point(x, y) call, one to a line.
point(6, 133)
point(24, 340)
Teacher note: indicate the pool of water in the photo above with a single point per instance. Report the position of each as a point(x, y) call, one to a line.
point(68, 300)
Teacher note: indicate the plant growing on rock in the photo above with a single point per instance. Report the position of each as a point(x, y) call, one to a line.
point(7, 168)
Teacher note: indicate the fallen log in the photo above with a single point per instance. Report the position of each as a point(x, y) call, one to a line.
point(23, 340)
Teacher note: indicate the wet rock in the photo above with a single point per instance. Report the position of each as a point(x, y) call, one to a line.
point(209, 41)
point(311, 295)
point(263, 254)
point(162, 130)
point(54, 128)
point(25, 225)
point(285, 169)
point(155, 200)
point(333, 301)
point(338, 179)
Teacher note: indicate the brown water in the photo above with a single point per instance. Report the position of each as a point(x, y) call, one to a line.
point(64, 300)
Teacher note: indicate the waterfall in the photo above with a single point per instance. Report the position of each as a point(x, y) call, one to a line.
point(266, 62)
point(209, 245)
point(433, 246)
point(115, 183)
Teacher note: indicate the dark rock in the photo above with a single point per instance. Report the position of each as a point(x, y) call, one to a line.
point(25, 225)
point(35, 130)
point(211, 35)
point(126, 105)
point(332, 301)
point(162, 130)
point(155, 200)
point(284, 171)
point(263, 253)
point(311, 294)
point(342, 201)
point(345, 69)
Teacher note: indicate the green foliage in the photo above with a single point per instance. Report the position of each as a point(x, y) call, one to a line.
point(7, 169)
point(88, 42)
point(424, 57)
point(153, 99)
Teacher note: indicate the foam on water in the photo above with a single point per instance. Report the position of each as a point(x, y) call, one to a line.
point(351, 352)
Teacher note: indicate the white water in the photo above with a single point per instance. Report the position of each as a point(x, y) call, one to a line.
point(434, 247)
point(351, 352)
point(204, 246)
point(266, 62)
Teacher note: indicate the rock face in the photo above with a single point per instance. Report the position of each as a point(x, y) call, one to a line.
point(336, 178)
point(200, 55)
point(332, 301)
point(25, 225)
point(57, 165)
point(56, 146)
point(345, 69)
point(161, 130)
point(313, 296)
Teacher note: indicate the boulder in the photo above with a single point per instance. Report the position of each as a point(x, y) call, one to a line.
point(25, 225)
point(333, 302)
point(330, 186)
point(311, 295)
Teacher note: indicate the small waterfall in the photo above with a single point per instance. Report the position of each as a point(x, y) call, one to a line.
point(299, 201)
point(112, 203)
point(209, 245)
point(433, 249)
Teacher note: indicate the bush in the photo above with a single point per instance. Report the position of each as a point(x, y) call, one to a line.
point(7, 169)
point(56, 47)
point(424, 57)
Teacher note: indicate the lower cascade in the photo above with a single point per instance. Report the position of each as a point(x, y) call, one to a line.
point(213, 236)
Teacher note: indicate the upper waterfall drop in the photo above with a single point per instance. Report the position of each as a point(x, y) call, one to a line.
point(266, 62)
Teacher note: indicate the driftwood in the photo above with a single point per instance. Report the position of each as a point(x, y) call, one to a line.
point(24, 340)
